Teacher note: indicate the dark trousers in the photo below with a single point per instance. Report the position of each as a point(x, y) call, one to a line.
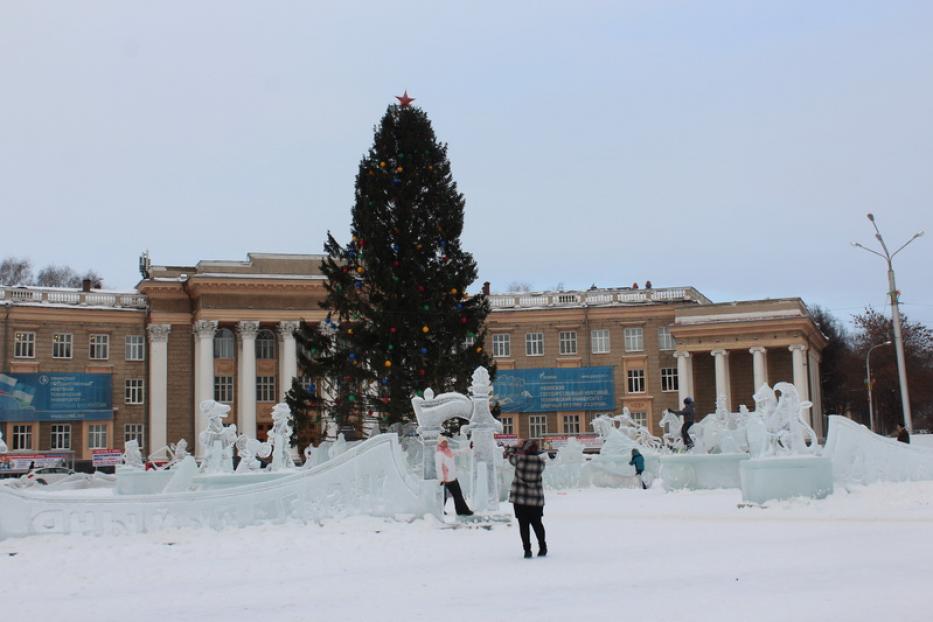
point(685, 434)
point(641, 478)
point(530, 516)
point(453, 489)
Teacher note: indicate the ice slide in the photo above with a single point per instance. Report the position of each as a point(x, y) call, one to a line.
point(860, 456)
point(370, 478)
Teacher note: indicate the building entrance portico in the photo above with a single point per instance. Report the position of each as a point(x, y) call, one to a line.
point(241, 318)
point(731, 349)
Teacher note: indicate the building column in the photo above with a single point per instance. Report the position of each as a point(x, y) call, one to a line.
point(158, 385)
point(288, 357)
point(816, 394)
point(203, 374)
point(759, 366)
point(246, 378)
point(723, 381)
point(684, 377)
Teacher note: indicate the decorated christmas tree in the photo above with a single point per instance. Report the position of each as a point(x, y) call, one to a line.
point(400, 318)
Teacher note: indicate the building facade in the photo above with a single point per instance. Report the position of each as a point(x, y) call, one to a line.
point(657, 346)
point(87, 370)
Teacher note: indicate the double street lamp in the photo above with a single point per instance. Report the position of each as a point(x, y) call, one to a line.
point(895, 315)
point(871, 411)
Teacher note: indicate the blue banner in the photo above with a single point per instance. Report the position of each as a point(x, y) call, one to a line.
point(551, 389)
point(56, 397)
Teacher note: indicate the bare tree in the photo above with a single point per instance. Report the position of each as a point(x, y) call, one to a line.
point(519, 286)
point(64, 276)
point(15, 271)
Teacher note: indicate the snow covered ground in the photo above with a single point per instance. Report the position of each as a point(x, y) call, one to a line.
point(863, 554)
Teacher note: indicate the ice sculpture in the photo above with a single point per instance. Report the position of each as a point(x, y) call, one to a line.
point(132, 456)
point(860, 456)
point(250, 451)
point(567, 469)
point(3, 448)
point(432, 411)
point(790, 432)
point(281, 434)
point(218, 439)
point(369, 478)
point(673, 424)
point(637, 432)
point(611, 467)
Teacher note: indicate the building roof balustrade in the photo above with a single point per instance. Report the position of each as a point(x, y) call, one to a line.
point(66, 296)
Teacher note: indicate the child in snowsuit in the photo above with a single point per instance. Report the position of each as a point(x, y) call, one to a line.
point(638, 461)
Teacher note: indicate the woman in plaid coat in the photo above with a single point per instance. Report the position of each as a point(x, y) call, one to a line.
point(527, 493)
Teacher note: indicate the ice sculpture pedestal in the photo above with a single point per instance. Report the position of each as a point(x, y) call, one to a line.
point(701, 471)
point(766, 479)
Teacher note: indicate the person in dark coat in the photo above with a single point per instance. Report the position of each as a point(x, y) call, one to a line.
point(638, 461)
point(527, 493)
point(902, 434)
point(689, 415)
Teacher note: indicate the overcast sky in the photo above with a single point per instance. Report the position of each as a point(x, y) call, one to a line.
point(731, 146)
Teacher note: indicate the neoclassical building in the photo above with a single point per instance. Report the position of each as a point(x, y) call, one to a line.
point(645, 350)
point(224, 330)
point(85, 370)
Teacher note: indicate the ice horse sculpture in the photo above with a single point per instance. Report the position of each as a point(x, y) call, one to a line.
point(787, 464)
point(432, 411)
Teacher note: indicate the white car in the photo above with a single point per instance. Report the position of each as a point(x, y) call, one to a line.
point(47, 475)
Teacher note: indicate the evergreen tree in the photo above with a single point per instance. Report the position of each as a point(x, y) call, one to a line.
point(400, 317)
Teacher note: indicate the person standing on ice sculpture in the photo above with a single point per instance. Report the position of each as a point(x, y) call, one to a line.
point(527, 493)
point(689, 415)
point(447, 473)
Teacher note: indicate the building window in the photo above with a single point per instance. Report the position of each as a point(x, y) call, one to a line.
point(135, 348)
point(224, 344)
point(669, 379)
point(24, 346)
point(265, 344)
point(97, 436)
point(61, 436)
point(538, 425)
point(22, 437)
point(265, 388)
point(665, 338)
point(501, 345)
point(507, 426)
point(634, 339)
point(599, 340)
point(134, 432)
point(62, 345)
point(223, 389)
point(636, 381)
point(534, 344)
point(100, 347)
point(571, 424)
point(568, 342)
point(133, 391)
point(640, 418)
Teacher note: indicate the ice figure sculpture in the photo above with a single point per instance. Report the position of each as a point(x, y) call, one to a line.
point(635, 431)
point(3, 448)
point(567, 469)
point(611, 467)
point(281, 435)
point(218, 440)
point(132, 456)
point(790, 431)
point(250, 450)
point(673, 424)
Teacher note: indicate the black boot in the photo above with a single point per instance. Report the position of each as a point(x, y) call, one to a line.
point(527, 553)
point(542, 549)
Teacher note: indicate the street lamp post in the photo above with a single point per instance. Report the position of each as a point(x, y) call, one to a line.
point(895, 315)
point(871, 411)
